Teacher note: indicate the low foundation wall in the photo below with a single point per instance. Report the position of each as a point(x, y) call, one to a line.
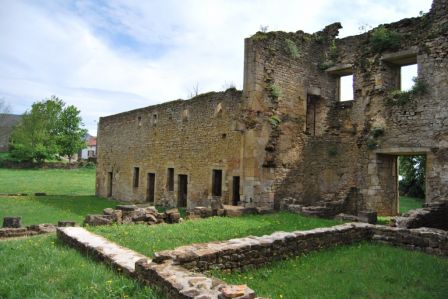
point(238, 254)
point(181, 273)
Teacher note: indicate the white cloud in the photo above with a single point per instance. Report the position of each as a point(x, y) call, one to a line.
point(112, 56)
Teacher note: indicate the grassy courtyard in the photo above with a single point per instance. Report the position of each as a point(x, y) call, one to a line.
point(359, 271)
point(43, 267)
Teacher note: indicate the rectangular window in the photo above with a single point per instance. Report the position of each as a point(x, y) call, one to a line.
point(346, 88)
point(407, 75)
point(217, 182)
point(136, 176)
point(170, 179)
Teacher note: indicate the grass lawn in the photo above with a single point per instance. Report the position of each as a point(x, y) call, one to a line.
point(69, 195)
point(51, 181)
point(42, 267)
point(410, 203)
point(359, 271)
point(149, 239)
point(51, 209)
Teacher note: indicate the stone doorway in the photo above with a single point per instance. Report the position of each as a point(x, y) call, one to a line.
point(182, 191)
point(385, 186)
point(151, 181)
point(236, 190)
point(109, 184)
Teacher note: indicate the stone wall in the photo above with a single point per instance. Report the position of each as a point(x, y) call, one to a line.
point(193, 137)
point(349, 152)
point(433, 215)
point(239, 254)
point(288, 134)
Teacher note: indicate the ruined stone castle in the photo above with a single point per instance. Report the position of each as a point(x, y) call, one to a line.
point(288, 136)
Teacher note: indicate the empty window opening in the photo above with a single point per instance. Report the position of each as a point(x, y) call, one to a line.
point(109, 183)
point(185, 115)
point(218, 110)
point(170, 179)
point(408, 74)
point(139, 121)
point(311, 111)
point(346, 88)
point(236, 190)
point(154, 119)
point(217, 182)
point(150, 191)
point(136, 176)
point(182, 191)
point(224, 136)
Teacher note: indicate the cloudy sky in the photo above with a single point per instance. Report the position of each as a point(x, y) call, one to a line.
point(109, 56)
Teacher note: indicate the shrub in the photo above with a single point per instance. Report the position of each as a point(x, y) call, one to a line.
point(400, 98)
point(292, 48)
point(377, 132)
point(334, 51)
point(383, 39)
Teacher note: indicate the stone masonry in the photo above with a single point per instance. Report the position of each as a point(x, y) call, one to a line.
point(287, 134)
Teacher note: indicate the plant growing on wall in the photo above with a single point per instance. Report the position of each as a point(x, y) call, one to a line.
point(375, 133)
point(383, 39)
point(333, 52)
point(292, 48)
point(275, 90)
point(400, 98)
point(274, 120)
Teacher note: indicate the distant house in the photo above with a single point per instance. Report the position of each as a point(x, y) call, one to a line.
point(90, 150)
point(7, 123)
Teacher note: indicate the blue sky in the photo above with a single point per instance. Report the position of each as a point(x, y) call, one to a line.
point(107, 57)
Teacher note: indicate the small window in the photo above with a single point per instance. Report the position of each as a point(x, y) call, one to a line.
point(139, 121)
point(170, 179)
point(218, 110)
point(407, 75)
point(346, 88)
point(136, 176)
point(217, 182)
point(154, 119)
point(224, 136)
point(185, 115)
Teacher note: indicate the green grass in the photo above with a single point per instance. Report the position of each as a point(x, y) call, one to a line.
point(406, 204)
point(149, 239)
point(51, 181)
point(69, 195)
point(410, 203)
point(358, 271)
point(42, 267)
point(51, 209)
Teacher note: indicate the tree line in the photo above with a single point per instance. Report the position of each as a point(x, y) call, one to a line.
point(49, 130)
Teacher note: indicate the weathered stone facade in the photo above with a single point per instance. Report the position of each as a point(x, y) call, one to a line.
point(288, 134)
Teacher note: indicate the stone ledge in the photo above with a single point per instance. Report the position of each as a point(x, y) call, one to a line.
point(90, 243)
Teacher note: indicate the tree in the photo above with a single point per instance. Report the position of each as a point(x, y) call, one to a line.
point(71, 135)
point(47, 131)
point(412, 169)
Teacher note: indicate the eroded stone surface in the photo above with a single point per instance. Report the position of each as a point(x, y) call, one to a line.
point(120, 257)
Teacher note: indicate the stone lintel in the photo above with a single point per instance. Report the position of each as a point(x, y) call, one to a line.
point(405, 57)
point(340, 70)
point(403, 151)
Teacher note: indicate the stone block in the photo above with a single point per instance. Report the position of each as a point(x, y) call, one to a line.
point(367, 216)
point(66, 223)
point(12, 222)
point(95, 220)
point(126, 208)
point(42, 228)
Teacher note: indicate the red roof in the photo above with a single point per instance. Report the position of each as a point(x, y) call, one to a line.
point(91, 141)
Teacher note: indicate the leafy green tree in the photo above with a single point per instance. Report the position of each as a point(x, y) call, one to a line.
point(71, 135)
point(47, 131)
point(412, 169)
